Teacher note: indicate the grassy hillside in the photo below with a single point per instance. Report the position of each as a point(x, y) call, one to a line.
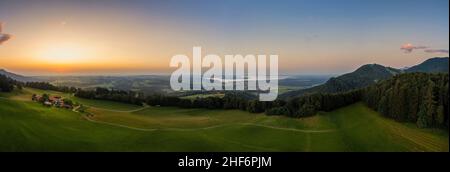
point(29, 126)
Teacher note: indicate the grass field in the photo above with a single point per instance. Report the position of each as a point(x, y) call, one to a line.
point(29, 126)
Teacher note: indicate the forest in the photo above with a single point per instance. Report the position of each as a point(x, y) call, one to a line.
point(414, 97)
point(99, 93)
point(48, 86)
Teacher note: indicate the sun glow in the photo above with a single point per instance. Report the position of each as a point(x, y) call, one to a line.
point(62, 53)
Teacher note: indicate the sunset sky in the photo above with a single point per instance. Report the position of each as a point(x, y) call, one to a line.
point(139, 37)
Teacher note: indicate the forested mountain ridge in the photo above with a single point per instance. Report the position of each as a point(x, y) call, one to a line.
point(361, 77)
point(432, 65)
point(367, 75)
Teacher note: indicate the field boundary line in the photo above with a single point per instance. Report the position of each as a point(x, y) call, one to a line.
point(209, 127)
point(288, 129)
point(120, 111)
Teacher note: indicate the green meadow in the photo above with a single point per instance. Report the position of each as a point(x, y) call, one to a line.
point(111, 126)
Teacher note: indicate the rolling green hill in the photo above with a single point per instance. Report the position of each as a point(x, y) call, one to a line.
point(29, 126)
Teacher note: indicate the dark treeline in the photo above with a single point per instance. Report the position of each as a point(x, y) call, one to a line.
point(298, 107)
point(416, 97)
point(7, 84)
point(309, 105)
point(229, 101)
point(48, 86)
point(129, 97)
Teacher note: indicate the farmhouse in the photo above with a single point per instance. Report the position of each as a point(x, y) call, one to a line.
point(56, 101)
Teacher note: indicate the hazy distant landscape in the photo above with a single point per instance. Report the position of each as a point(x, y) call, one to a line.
point(155, 84)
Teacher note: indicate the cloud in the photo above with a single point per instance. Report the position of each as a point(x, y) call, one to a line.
point(436, 51)
point(3, 36)
point(408, 48)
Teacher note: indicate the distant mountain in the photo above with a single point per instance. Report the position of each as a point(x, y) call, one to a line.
point(361, 77)
point(370, 74)
point(16, 76)
point(433, 65)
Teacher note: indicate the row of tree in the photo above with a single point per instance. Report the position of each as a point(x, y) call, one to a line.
point(130, 97)
point(48, 86)
point(298, 107)
point(231, 100)
point(309, 105)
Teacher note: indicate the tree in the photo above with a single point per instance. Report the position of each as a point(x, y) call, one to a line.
point(278, 111)
point(6, 84)
point(34, 97)
point(429, 103)
point(423, 121)
point(413, 104)
point(44, 98)
point(68, 101)
point(307, 110)
point(440, 115)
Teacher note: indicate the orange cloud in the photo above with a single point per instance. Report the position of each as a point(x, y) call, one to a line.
point(408, 48)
